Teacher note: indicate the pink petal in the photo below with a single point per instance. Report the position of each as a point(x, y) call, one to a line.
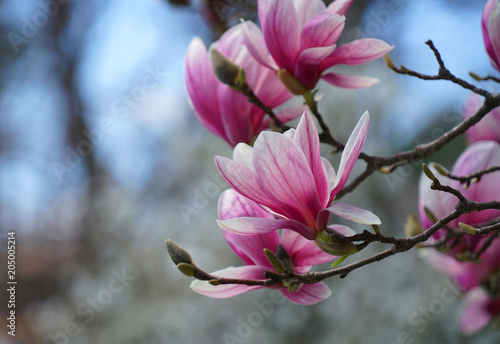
point(242, 179)
point(228, 290)
point(232, 205)
point(278, 20)
point(349, 81)
point(257, 46)
point(331, 176)
point(253, 225)
point(306, 137)
point(351, 152)
point(339, 6)
point(283, 173)
point(441, 262)
point(307, 65)
point(304, 253)
point(202, 86)
point(306, 9)
point(357, 52)
point(250, 248)
point(231, 41)
point(322, 30)
point(309, 294)
point(290, 113)
point(270, 89)
point(475, 316)
point(235, 112)
point(354, 214)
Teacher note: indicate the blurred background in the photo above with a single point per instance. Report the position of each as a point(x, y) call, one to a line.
point(102, 159)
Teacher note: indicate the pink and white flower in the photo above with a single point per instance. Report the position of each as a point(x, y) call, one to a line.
point(491, 31)
point(250, 248)
point(479, 156)
point(285, 174)
point(488, 128)
point(301, 38)
point(222, 110)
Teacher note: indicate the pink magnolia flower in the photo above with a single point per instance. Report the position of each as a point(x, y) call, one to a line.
point(223, 111)
point(285, 174)
point(479, 156)
point(491, 31)
point(301, 37)
point(479, 280)
point(302, 253)
point(486, 129)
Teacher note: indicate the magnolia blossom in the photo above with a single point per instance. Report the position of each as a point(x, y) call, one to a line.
point(489, 126)
point(479, 280)
point(285, 174)
point(223, 111)
point(477, 157)
point(250, 248)
point(301, 37)
point(491, 31)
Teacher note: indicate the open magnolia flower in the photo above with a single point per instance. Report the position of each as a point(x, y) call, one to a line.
point(491, 31)
point(301, 38)
point(294, 251)
point(479, 156)
point(222, 110)
point(285, 174)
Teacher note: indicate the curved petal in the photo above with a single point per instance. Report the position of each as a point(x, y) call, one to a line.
point(241, 178)
point(228, 290)
point(339, 6)
point(253, 225)
point(349, 81)
point(242, 154)
point(202, 84)
point(232, 205)
point(307, 65)
point(441, 262)
point(235, 112)
point(278, 20)
point(309, 294)
point(306, 9)
point(306, 137)
point(351, 152)
point(475, 316)
point(303, 252)
point(283, 173)
point(250, 248)
point(322, 30)
point(256, 45)
point(357, 52)
point(354, 214)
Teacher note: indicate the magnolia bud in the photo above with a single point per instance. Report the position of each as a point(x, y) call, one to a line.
point(388, 61)
point(327, 241)
point(291, 83)
point(274, 260)
point(226, 70)
point(466, 228)
point(442, 171)
point(186, 269)
point(412, 226)
point(177, 253)
point(428, 172)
